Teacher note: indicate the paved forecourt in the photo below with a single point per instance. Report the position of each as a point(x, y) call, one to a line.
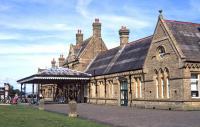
point(131, 117)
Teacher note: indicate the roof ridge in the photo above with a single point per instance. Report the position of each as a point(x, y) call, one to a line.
point(133, 41)
point(139, 40)
point(181, 22)
point(130, 43)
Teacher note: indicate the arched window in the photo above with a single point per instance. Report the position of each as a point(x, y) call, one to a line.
point(140, 87)
point(156, 87)
point(93, 89)
point(168, 87)
point(161, 85)
point(161, 51)
point(156, 83)
point(167, 82)
point(136, 88)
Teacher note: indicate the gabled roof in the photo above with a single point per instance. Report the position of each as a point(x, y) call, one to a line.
point(83, 46)
point(120, 59)
point(187, 35)
point(77, 51)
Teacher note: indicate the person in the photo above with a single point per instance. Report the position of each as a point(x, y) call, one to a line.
point(15, 99)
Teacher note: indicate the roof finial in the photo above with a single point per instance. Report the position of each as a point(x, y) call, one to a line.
point(160, 13)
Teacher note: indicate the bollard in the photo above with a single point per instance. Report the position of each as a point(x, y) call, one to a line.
point(73, 109)
point(41, 104)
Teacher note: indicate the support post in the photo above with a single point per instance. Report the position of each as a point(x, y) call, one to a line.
point(89, 91)
point(21, 92)
point(24, 89)
point(33, 93)
point(4, 95)
point(53, 92)
point(41, 100)
point(83, 90)
point(38, 92)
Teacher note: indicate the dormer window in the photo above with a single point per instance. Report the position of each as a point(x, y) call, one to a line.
point(161, 51)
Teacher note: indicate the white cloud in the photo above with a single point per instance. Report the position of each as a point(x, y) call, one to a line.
point(33, 48)
point(82, 6)
point(4, 8)
point(37, 25)
point(21, 61)
point(25, 37)
point(5, 36)
point(111, 20)
point(20, 66)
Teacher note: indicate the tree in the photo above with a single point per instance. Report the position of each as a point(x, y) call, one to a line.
point(12, 91)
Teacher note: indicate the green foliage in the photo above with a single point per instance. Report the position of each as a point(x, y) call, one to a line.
point(24, 116)
point(13, 91)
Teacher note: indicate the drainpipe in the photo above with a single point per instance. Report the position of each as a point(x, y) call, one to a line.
point(130, 89)
point(96, 86)
point(105, 88)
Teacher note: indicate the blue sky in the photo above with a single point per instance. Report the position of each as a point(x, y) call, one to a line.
point(32, 32)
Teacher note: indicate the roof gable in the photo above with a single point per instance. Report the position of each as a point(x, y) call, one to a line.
point(76, 50)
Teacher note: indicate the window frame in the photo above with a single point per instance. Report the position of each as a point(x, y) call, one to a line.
point(197, 85)
point(161, 51)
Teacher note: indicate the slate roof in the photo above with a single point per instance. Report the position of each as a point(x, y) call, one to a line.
point(120, 59)
point(187, 36)
point(60, 71)
point(57, 74)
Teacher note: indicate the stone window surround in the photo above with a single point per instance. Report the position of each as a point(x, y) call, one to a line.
point(160, 52)
point(198, 84)
point(162, 91)
point(138, 87)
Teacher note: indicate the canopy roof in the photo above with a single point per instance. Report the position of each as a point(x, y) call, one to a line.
point(55, 75)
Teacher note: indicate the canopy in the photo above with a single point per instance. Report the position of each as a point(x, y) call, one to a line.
point(55, 75)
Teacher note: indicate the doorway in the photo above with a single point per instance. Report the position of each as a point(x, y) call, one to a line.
point(124, 93)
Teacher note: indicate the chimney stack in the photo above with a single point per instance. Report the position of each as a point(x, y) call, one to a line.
point(124, 35)
point(61, 60)
point(53, 63)
point(79, 37)
point(96, 28)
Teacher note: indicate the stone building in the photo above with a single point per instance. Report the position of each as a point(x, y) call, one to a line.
point(81, 54)
point(159, 71)
point(79, 57)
